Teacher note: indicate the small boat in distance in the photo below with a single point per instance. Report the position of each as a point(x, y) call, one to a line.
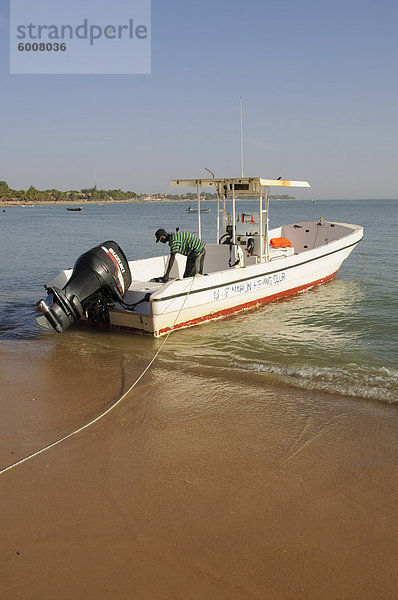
point(248, 265)
point(74, 208)
point(195, 210)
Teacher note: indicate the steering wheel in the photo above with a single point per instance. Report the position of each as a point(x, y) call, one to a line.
point(227, 237)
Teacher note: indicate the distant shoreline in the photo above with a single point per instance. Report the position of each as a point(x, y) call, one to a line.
point(4, 203)
point(92, 202)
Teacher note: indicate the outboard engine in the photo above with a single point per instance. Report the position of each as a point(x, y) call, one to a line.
point(100, 277)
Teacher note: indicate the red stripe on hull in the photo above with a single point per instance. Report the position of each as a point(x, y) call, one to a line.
point(247, 305)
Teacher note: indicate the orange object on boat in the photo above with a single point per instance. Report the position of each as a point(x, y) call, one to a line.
point(280, 242)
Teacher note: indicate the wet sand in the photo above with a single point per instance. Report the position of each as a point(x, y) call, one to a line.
point(192, 488)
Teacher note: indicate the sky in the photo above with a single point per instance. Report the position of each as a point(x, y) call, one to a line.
point(318, 79)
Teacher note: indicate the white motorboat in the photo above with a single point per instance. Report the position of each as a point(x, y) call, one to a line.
point(247, 266)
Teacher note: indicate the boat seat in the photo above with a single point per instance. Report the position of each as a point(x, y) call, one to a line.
point(275, 253)
point(250, 260)
point(219, 256)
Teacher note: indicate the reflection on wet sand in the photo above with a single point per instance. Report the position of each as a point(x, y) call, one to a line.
point(194, 487)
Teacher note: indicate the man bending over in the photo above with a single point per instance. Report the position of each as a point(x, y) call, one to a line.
point(187, 244)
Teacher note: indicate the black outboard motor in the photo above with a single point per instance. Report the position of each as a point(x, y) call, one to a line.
point(100, 277)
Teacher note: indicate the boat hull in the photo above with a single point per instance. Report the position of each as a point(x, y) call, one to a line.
point(318, 251)
point(201, 299)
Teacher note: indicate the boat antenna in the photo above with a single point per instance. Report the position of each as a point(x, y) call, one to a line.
point(241, 137)
point(208, 170)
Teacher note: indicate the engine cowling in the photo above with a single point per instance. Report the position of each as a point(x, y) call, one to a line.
point(100, 276)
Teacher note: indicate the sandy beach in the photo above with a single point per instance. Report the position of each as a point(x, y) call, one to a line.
point(192, 487)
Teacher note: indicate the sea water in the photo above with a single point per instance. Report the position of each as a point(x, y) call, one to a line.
point(340, 338)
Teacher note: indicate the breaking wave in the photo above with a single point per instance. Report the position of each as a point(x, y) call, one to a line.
point(380, 384)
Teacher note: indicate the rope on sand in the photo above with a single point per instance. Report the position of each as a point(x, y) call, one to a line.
point(106, 412)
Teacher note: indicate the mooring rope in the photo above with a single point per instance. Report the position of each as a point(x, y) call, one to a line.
point(108, 410)
point(360, 256)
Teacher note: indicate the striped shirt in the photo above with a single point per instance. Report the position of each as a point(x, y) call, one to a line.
point(185, 243)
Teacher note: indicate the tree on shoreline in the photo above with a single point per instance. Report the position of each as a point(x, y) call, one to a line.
point(54, 195)
point(86, 194)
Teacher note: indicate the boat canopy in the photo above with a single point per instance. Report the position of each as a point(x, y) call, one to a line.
point(243, 186)
point(230, 189)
